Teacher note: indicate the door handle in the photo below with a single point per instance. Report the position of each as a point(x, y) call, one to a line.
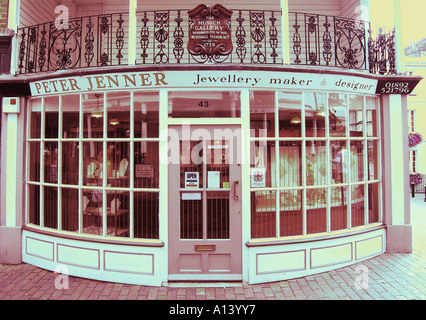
point(236, 197)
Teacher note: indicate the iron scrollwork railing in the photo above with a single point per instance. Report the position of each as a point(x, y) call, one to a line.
point(321, 40)
point(82, 42)
point(162, 38)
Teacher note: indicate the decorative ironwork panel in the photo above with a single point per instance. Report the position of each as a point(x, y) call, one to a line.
point(382, 52)
point(161, 36)
point(350, 43)
point(65, 45)
point(257, 32)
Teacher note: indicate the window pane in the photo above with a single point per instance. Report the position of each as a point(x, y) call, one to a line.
point(339, 158)
point(191, 164)
point(290, 163)
point(316, 210)
point(291, 213)
point(118, 164)
point(51, 162)
point(262, 114)
point(146, 108)
point(69, 202)
point(373, 161)
point(35, 118)
point(315, 104)
point(34, 204)
point(208, 104)
point(357, 205)
point(218, 215)
point(339, 208)
point(146, 215)
point(191, 217)
point(34, 161)
point(93, 112)
point(263, 164)
point(263, 214)
point(356, 105)
point(372, 111)
point(50, 207)
point(290, 114)
point(373, 203)
point(217, 166)
point(118, 115)
point(337, 114)
point(51, 117)
point(146, 160)
point(316, 166)
point(117, 213)
point(93, 163)
point(92, 211)
point(357, 161)
point(70, 116)
point(70, 161)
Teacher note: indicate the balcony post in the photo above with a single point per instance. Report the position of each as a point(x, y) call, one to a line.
point(285, 38)
point(399, 41)
point(132, 31)
point(12, 24)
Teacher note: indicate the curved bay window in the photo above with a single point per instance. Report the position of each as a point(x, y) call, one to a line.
point(314, 163)
point(93, 164)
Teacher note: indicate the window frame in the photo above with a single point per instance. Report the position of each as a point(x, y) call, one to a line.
point(130, 189)
point(328, 138)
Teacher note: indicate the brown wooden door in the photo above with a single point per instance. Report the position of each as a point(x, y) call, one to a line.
point(205, 203)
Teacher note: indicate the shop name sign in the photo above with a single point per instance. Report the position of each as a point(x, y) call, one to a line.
point(204, 79)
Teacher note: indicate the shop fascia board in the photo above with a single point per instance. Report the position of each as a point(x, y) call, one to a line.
point(19, 85)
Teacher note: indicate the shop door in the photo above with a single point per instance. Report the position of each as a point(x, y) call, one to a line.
point(205, 203)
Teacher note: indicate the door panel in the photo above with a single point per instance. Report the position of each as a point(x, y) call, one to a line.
point(204, 202)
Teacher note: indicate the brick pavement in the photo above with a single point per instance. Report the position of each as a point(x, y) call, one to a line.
point(390, 277)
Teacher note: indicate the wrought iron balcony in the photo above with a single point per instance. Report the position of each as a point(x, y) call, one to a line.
point(161, 37)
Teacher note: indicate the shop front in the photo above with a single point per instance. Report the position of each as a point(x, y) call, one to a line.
point(235, 164)
point(174, 174)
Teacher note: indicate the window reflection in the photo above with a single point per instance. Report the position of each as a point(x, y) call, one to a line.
point(290, 114)
point(337, 114)
point(262, 114)
point(315, 112)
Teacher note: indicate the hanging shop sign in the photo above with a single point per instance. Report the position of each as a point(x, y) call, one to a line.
point(251, 79)
point(209, 33)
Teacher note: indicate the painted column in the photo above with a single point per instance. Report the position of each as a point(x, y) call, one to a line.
point(396, 189)
point(12, 177)
point(132, 31)
point(285, 38)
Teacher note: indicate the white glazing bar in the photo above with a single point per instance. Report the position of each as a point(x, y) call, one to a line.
point(304, 212)
point(277, 166)
point(163, 163)
point(132, 167)
point(59, 161)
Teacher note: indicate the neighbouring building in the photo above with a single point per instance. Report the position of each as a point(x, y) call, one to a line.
point(415, 61)
point(154, 141)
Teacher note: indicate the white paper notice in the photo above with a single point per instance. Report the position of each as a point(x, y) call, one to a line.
point(213, 181)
